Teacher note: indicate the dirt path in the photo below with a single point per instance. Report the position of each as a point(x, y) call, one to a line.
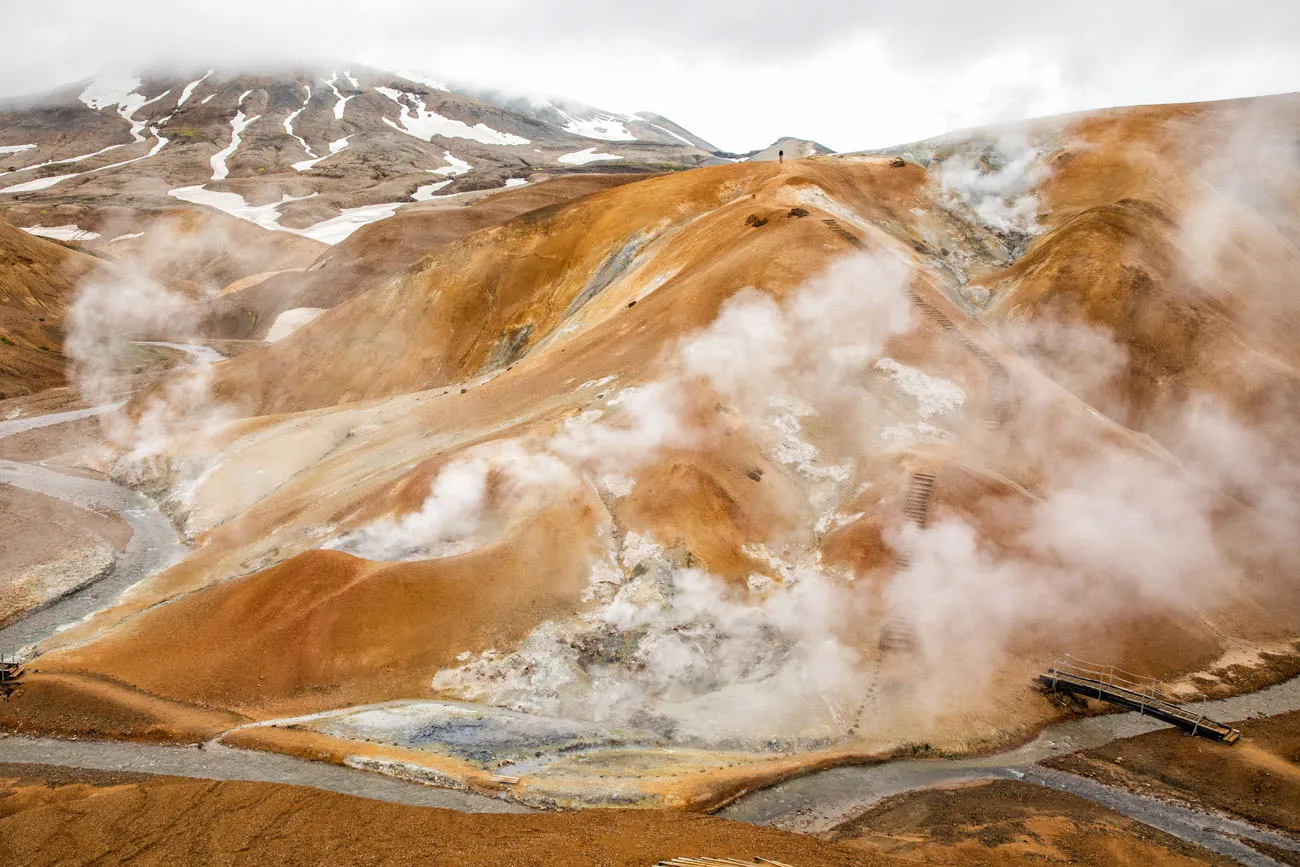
point(217, 762)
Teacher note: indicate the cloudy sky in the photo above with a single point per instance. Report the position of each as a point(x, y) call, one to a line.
point(849, 73)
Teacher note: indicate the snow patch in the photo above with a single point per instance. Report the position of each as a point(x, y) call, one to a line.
point(267, 216)
point(336, 146)
point(205, 354)
point(334, 230)
point(415, 119)
point(581, 158)
point(341, 101)
point(238, 124)
point(189, 89)
point(288, 126)
point(109, 90)
point(516, 182)
point(291, 320)
point(602, 126)
point(426, 192)
point(40, 184)
point(454, 166)
point(69, 232)
point(667, 131)
point(16, 149)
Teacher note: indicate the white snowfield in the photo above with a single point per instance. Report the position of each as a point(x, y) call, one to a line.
point(336, 146)
point(340, 101)
point(426, 192)
point(267, 216)
point(415, 119)
point(16, 149)
point(604, 127)
point(109, 90)
point(238, 124)
point(454, 166)
point(288, 125)
point(103, 92)
point(40, 184)
point(45, 183)
point(337, 229)
point(516, 182)
point(189, 89)
point(291, 320)
point(581, 158)
point(69, 232)
point(667, 131)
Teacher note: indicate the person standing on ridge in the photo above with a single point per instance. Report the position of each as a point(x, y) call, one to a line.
point(780, 156)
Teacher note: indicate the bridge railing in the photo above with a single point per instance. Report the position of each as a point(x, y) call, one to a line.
point(1150, 690)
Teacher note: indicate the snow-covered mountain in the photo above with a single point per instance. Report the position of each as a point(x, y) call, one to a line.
point(315, 152)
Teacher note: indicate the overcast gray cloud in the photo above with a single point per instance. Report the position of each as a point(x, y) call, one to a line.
point(850, 73)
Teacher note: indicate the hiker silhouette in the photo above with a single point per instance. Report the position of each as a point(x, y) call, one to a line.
point(780, 156)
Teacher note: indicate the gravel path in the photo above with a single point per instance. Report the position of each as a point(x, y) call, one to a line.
point(217, 762)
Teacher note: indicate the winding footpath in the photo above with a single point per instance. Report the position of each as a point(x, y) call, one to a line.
point(812, 804)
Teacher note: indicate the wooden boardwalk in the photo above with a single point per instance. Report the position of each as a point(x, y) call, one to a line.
point(1134, 692)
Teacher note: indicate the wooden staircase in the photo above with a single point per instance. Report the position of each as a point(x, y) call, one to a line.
point(995, 408)
point(898, 633)
point(917, 506)
point(835, 226)
point(1142, 694)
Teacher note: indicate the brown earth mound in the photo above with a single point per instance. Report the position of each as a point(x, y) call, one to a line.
point(55, 816)
point(1002, 822)
point(38, 279)
point(380, 251)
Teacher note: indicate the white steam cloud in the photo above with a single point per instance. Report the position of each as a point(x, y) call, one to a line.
point(997, 186)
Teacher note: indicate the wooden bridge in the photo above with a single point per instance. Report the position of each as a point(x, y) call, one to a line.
point(1128, 690)
point(10, 673)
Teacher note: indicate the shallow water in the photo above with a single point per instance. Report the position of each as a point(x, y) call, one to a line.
point(820, 800)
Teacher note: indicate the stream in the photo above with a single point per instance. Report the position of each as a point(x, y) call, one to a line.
point(154, 544)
